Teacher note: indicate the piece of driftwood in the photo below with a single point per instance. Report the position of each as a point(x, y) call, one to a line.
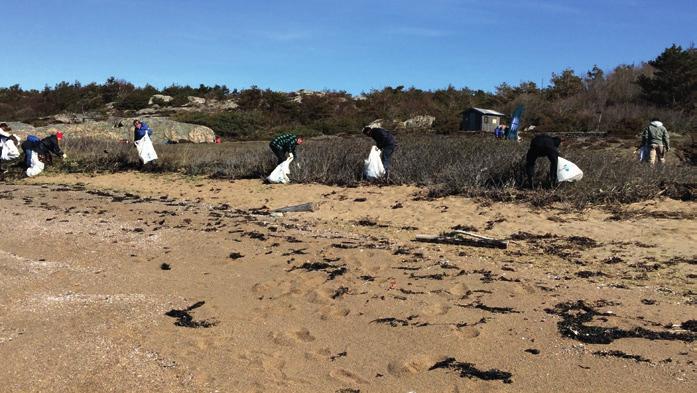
point(305, 207)
point(463, 238)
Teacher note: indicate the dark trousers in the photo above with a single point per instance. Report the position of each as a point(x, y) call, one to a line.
point(280, 153)
point(386, 155)
point(27, 157)
point(530, 167)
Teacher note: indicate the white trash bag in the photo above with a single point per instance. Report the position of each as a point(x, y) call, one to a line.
point(9, 149)
point(36, 166)
point(568, 171)
point(373, 168)
point(280, 174)
point(146, 151)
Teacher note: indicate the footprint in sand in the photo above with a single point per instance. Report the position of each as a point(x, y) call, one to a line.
point(435, 309)
point(319, 296)
point(289, 339)
point(320, 354)
point(346, 376)
point(333, 312)
point(303, 335)
point(459, 290)
point(413, 365)
point(467, 332)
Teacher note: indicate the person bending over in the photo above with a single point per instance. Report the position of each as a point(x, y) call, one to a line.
point(385, 141)
point(543, 146)
point(284, 144)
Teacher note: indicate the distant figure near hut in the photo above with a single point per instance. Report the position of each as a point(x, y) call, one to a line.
point(478, 119)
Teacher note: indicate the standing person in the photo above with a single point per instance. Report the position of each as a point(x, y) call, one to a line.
point(385, 141)
point(140, 129)
point(543, 146)
point(146, 151)
point(9, 145)
point(284, 144)
point(498, 132)
point(38, 151)
point(656, 137)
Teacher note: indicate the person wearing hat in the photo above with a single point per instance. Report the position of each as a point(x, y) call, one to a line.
point(38, 151)
point(285, 144)
point(385, 141)
point(9, 145)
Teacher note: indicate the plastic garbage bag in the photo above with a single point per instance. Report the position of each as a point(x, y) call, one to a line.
point(146, 151)
point(9, 149)
point(280, 174)
point(36, 166)
point(568, 171)
point(373, 168)
point(643, 153)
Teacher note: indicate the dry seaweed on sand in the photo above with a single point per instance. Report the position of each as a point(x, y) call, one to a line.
point(185, 319)
point(468, 370)
point(576, 315)
point(621, 355)
point(331, 270)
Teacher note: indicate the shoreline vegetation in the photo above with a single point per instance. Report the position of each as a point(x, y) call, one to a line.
point(471, 166)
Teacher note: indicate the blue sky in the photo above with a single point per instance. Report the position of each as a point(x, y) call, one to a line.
point(353, 45)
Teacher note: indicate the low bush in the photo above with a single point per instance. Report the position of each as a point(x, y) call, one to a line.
point(473, 166)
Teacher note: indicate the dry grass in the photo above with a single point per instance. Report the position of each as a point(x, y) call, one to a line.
point(465, 165)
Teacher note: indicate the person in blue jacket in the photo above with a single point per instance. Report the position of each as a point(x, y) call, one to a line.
point(140, 130)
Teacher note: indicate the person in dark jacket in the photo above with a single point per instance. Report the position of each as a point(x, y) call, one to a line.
point(284, 144)
point(543, 146)
point(43, 147)
point(140, 129)
point(385, 141)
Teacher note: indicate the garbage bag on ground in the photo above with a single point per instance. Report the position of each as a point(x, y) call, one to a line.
point(568, 171)
point(9, 149)
point(280, 174)
point(36, 166)
point(373, 168)
point(146, 151)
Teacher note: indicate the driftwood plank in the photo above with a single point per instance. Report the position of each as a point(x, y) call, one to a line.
point(305, 207)
point(478, 241)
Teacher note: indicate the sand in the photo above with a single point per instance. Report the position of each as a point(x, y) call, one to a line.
point(341, 299)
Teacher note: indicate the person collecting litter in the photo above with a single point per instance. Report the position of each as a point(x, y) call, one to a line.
point(140, 129)
point(543, 146)
point(285, 144)
point(9, 145)
point(142, 135)
point(385, 141)
point(37, 152)
point(656, 138)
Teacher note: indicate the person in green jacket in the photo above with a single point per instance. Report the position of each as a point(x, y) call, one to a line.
point(656, 138)
point(284, 144)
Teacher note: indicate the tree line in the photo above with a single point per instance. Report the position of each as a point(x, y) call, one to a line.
point(618, 101)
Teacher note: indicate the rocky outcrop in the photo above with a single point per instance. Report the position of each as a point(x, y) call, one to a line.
point(164, 129)
point(168, 130)
point(160, 99)
point(19, 128)
point(69, 118)
point(377, 123)
point(420, 122)
point(196, 100)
